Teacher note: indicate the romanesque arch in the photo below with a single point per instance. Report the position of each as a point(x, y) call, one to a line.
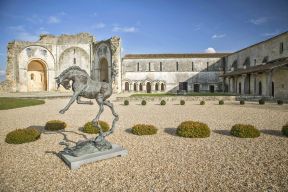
point(148, 87)
point(126, 86)
point(104, 77)
point(73, 56)
point(162, 87)
point(36, 76)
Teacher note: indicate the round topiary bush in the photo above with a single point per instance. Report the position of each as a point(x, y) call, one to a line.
point(245, 131)
point(143, 102)
point(280, 102)
point(55, 125)
point(91, 129)
point(242, 102)
point(193, 129)
point(261, 101)
point(19, 136)
point(182, 102)
point(202, 102)
point(221, 102)
point(163, 102)
point(285, 130)
point(126, 102)
point(143, 129)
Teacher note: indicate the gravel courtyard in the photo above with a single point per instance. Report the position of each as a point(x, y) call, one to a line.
point(161, 162)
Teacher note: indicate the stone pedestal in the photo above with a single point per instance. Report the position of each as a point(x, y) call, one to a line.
point(75, 162)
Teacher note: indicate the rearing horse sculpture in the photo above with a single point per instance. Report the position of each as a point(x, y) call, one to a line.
point(84, 86)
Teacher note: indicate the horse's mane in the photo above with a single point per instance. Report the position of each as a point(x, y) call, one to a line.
point(77, 68)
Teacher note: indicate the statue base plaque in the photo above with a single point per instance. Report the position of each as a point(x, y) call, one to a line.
point(74, 162)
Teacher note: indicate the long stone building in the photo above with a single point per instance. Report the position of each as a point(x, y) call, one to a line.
point(258, 70)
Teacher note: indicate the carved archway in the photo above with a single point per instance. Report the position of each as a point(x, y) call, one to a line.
point(104, 77)
point(148, 87)
point(36, 76)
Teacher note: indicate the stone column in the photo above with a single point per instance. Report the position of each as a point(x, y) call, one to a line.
point(243, 76)
point(269, 83)
point(152, 87)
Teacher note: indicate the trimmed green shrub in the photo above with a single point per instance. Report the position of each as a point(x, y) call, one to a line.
point(221, 102)
point(55, 125)
point(143, 129)
point(143, 102)
point(26, 135)
point(245, 131)
point(280, 102)
point(182, 102)
point(285, 130)
point(126, 102)
point(91, 129)
point(261, 101)
point(163, 102)
point(242, 102)
point(193, 129)
point(202, 102)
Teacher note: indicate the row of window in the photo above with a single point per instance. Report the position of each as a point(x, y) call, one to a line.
point(176, 66)
point(158, 87)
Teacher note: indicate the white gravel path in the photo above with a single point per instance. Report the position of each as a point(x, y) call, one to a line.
point(162, 162)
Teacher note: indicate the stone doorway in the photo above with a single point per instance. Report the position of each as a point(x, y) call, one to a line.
point(148, 87)
point(126, 86)
point(104, 77)
point(36, 76)
point(211, 88)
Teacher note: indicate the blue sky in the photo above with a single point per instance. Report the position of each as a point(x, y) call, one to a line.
point(150, 26)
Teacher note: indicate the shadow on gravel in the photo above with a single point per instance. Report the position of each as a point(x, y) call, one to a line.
point(273, 132)
point(223, 132)
point(129, 130)
point(65, 140)
point(170, 131)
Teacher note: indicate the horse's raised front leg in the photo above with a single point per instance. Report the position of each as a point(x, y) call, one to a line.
point(83, 102)
point(73, 98)
point(116, 117)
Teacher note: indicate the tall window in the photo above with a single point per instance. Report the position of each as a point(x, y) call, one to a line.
point(74, 61)
point(281, 47)
point(74, 51)
point(137, 66)
point(32, 76)
point(207, 66)
point(177, 66)
point(255, 62)
point(192, 66)
point(160, 66)
point(149, 66)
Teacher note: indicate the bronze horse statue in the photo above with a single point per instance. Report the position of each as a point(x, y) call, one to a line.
point(84, 86)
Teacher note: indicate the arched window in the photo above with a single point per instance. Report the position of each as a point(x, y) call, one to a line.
point(140, 87)
point(156, 87)
point(126, 86)
point(260, 88)
point(162, 87)
point(32, 76)
point(135, 88)
point(148, 87)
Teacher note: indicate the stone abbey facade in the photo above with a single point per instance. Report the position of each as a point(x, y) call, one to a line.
point(32, 66)
point(258, 70)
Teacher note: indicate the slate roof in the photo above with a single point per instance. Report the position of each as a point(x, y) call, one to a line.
point(175, 55)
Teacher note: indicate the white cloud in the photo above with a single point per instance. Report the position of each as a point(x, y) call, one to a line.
point(99, 25)
point(36, 19)
point(210, 50)
point(53, 20)
point(124, 29)
point(21, 34)
point(258, 21)
point(218, 36)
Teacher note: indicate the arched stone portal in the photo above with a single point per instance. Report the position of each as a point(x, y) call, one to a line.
point(36, 76)
point(126, 86)
point(148, 87)
point(104, 77)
